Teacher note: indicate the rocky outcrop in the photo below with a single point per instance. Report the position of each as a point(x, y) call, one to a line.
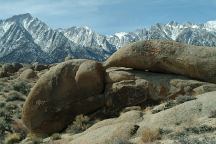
point(167, 57)
point(59, 96)
point(90, 77)
point(189, 122)
point(84, 86)
point(128, 87)
point(28, 74)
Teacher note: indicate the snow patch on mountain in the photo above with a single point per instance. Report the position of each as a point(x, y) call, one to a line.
point(210, 25)
point(24, 38)
point(120, 35)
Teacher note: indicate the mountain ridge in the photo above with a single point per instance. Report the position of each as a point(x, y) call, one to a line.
point(23, 35)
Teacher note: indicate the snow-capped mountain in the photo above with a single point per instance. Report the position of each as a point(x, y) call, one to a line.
point(24, 38)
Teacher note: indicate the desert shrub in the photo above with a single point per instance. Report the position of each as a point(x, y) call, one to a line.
point(5, 120)
point(33, 139)
point(184, 134)
point(1, 87)
point(20, 129)
point(5, 79)
point(12, 138)
point(56, 136)
point(7, 88)
point(2, 104)
point(37, 141)
point(118, 140)
point(200, 129)
point(182, 99)
point(80, 124)
point(17, 66)
point(4, 126)
point(134, 130)
point(22, 87)
point(150, 135)
point(212, 114)
point(8, 68)
point(10, 106)
point(14, 95)
point(202, 140)
point(164, 131)
point(4, 74)
point(5, 85)
point(169, 104)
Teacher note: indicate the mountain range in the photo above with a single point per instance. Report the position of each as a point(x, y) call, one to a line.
point(26, 39)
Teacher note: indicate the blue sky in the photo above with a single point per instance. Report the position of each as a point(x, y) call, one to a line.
point(110, 16)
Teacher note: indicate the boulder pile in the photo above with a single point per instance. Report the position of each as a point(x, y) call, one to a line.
point(146, 70)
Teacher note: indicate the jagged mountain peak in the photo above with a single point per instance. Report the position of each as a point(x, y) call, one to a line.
point(20, 17)
point(173, 23)
point(210, 25)
point(22, 32)
point(85, 29)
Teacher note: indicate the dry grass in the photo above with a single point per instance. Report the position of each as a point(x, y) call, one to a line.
point(80, 124)
point(12, 138)
point(147, 109)
point(150, 135)
point(56, 136)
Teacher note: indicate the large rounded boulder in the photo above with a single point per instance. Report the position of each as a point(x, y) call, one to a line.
point(168, 57)
point(58, 97)
point(90, 77)
point(28, 74)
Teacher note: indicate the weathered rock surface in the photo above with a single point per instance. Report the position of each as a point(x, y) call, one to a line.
point(128, 87)
point(57, 98)
point(187, 122)
point(168, 57)
point(84, 86)
point(77, 87)
point(90, 77)
point(189, 114)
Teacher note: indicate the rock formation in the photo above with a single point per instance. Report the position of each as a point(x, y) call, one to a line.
point(58, 97)
point(28, 74)
point(167, 57)
point(134, 126)
point(128, 87)
point(129, 77)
